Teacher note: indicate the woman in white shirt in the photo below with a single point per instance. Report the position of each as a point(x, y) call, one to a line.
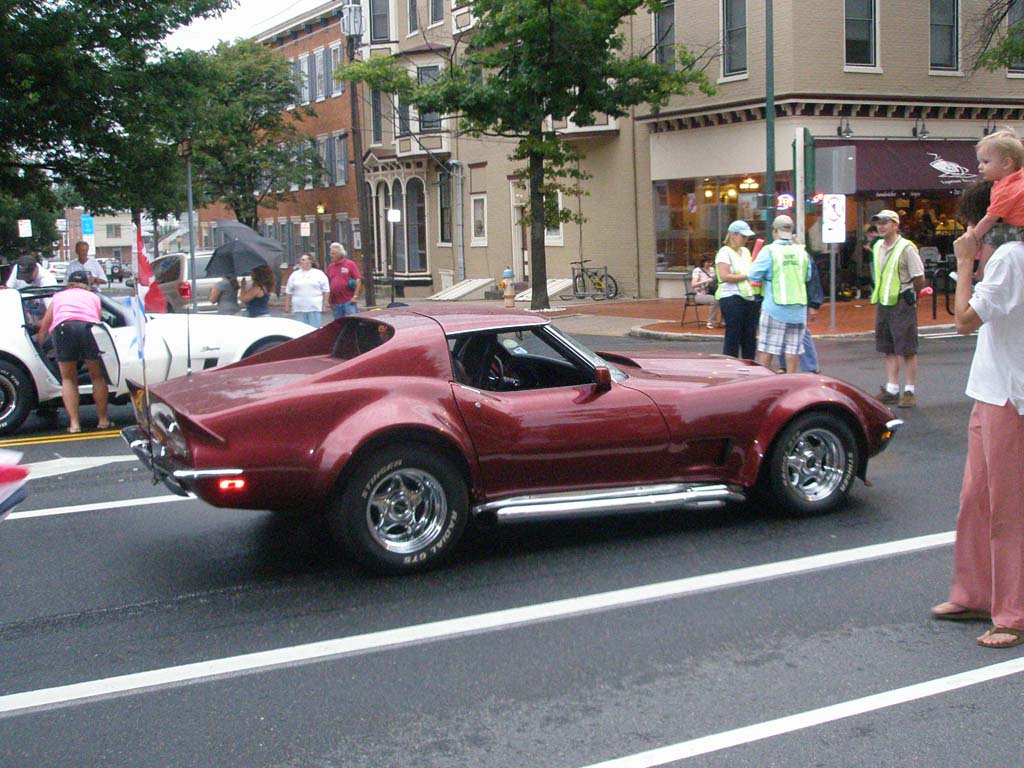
point(988, 570)
point(307, 292)
point(735, 294)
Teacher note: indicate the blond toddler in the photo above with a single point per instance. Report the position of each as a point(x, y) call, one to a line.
point(1001, 161)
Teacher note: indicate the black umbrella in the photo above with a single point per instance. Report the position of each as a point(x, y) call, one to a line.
point(240, 257)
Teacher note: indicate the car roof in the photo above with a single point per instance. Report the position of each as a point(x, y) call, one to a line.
point(455, 319)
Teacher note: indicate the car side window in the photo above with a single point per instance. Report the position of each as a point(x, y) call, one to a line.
point(167, 269)
point(513, 360)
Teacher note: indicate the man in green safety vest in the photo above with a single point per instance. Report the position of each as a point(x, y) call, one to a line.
point(899, 276)
point(784, 269)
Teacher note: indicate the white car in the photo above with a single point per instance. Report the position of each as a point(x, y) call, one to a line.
point(29, 378)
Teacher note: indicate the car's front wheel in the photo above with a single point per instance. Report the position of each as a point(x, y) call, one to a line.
point(813, 464)
point(17, 396)
point(403, 509)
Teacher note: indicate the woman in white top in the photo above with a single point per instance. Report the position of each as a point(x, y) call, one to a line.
point(735, 294)
point(701, 280)
point(307, 292)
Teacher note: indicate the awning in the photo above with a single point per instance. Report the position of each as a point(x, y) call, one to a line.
point(907, 166)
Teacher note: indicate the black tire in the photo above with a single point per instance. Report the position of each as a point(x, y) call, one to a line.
point(375, 522)
point(262, 346)
point(579, 286)
point(17, 396)
point(611, 288)
point(812, 465)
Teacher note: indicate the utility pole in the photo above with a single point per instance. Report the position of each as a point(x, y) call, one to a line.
point(352, 26)
point(769, 113)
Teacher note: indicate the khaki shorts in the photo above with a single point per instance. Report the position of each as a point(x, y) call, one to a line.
point(896, 329)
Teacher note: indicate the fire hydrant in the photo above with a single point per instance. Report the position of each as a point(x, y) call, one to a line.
point(510, 290)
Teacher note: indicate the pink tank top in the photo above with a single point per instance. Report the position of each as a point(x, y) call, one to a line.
point(75, 304)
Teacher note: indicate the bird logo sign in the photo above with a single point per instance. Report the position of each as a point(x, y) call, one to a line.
point(950, 172)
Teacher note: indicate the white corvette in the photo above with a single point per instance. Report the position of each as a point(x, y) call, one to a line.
point(29, 378)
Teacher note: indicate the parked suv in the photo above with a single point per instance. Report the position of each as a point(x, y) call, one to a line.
point(171, 273)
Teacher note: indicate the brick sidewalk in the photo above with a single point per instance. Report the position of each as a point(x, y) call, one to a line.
point(855, 316)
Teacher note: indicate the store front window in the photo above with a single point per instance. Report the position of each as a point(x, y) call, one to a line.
point(691, 215)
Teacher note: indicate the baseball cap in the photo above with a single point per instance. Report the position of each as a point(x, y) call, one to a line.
point(886, 214)
point(26, 268)
point(78, 276)
point(741, 227)
point(783, 223)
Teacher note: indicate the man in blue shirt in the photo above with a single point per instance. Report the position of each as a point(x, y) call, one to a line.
point(784, 269)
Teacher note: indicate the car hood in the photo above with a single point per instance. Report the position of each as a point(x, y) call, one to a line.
point(686, 367)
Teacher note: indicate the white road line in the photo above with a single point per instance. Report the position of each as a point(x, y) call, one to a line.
point(65, 465)
point(48, 698)
point(727, 739)
point(93, 507)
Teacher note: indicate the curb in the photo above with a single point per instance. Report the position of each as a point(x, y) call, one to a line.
point(640, 331)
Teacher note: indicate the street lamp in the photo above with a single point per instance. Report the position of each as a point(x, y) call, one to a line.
point(352, 26)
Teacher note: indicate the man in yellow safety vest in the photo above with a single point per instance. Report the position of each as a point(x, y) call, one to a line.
point(899, 276)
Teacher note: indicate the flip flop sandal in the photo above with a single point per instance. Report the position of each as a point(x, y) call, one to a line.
point(1018, 637)
point(964, 614)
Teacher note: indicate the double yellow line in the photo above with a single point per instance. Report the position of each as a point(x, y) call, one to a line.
point(62, 438)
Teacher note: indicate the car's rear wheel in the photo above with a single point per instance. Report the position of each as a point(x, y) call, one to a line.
point(813, 464)
point(17, 396)
point(403, 509)
point(262, 346)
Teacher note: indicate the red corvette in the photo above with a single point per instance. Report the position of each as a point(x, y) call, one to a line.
point(402, 424)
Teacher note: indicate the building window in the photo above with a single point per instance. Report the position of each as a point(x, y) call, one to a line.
point(436, 11)
point(321, 77)
point(553, 232)
point(429, 121)
point(380, 22)
point(444, 207)
point(414, 19)
point(113, 231)
point(665, 36)
point(297, 78)
point(860, 33)
point(1015, 18)
point(376, 120)
point(945, 19)
point(324, 150)
point(342, 234)
point(398, 230)
point(479, 204)
point(416, 226)
point(340, 142)
point(402, 118)
point(734, 46)
point(304, 79)
point(337, 87)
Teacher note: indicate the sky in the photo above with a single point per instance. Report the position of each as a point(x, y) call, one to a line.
point(245, 19)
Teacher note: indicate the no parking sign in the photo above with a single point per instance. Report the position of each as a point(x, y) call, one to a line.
point(833, 219)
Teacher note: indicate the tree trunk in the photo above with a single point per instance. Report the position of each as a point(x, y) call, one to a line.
point(538, 257)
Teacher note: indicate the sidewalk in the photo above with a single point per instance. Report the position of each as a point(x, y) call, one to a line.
point(659, 318)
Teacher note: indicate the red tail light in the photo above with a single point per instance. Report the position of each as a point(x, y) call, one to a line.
point(185, 291)
point(231, 484)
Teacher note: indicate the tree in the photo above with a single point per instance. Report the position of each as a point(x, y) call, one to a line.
point(66, 68)
point(997, 39)
point(248, 148)
point(527, 60)
point(38, 206)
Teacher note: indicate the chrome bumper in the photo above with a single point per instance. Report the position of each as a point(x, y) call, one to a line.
point(153, 455)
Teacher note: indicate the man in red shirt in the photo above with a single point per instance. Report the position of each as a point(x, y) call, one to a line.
point(345, 280)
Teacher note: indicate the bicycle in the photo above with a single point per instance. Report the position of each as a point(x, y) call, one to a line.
point(594, 282)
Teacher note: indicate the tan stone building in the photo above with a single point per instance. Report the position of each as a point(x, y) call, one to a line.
point(889, 102)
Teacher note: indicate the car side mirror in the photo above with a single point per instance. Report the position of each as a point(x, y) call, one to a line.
point(602, 379)
point(129, 283)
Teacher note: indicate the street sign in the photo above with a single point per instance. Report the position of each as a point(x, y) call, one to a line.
point(304, 229)
point(833, 219)
point(88, 226)
point(24, 227)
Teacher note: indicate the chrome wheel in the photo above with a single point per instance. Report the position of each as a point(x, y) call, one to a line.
point(815, 464)
point(406, 510)
point(17, 397)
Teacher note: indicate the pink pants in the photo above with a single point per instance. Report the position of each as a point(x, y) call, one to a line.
point(988, 567)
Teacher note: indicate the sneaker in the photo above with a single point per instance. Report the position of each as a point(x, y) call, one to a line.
point(907, 400)
point(886, 397)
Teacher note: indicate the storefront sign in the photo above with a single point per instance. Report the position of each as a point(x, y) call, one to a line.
point(785, 202)
point(833, 219)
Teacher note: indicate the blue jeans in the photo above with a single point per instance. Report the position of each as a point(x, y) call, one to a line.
point(808, 358)
point(348, 308)
point(740, 317)
point(309, 318)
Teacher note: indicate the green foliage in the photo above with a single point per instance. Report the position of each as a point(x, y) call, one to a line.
point(527, 60)
point(995, 43)
point(39, 207)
